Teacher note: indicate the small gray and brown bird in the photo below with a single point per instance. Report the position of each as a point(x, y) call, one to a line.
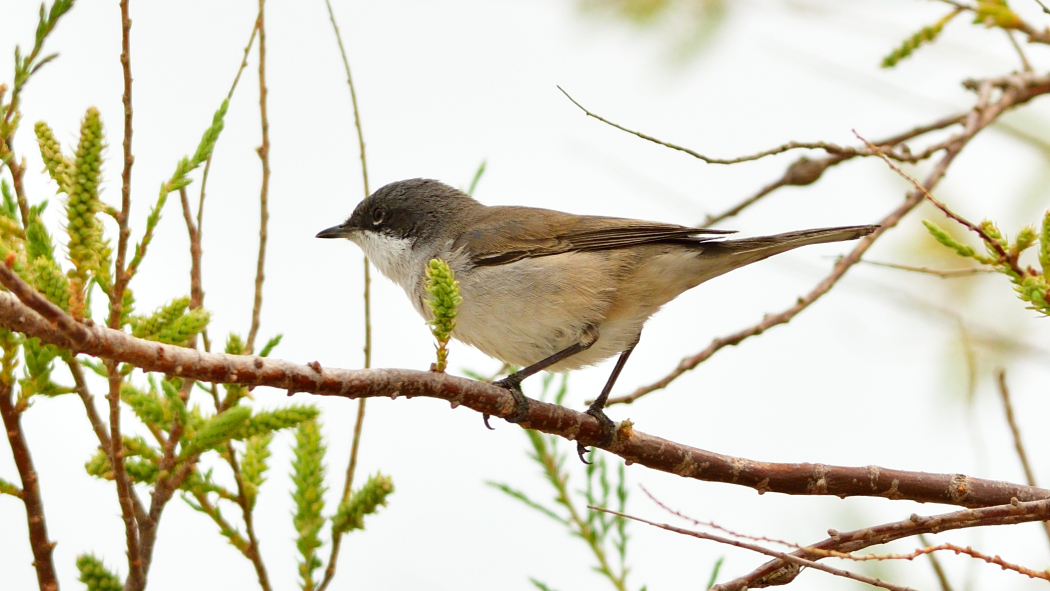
point(543, 289)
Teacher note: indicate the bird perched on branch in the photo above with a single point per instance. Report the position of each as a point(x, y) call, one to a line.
point(543, 289)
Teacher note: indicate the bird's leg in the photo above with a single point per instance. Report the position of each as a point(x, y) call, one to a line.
point(595, 409)
point(513, 381)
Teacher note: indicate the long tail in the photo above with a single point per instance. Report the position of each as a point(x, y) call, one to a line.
point(732, 254)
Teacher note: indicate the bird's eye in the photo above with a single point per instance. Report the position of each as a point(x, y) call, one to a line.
point(377, 215)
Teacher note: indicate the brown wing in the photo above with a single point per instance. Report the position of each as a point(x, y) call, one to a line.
point(507, 234)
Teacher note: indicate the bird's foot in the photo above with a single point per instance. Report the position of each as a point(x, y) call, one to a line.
point(608, 431)
point(521, 403)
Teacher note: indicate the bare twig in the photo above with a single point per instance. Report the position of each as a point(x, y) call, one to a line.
point(938, 570)
point(264, 156)
point(136, 564)
point(355, 446)
point(796, 560)
point(30, 313)
point(805, 171)
point(1016, 90)
point(942, 273)
point(1029, 474)
point(843, 542)
point(39, 542)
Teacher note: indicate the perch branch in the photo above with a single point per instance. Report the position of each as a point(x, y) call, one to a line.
point(32, 314)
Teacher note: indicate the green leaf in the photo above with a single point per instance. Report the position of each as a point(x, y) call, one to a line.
point(269, 346)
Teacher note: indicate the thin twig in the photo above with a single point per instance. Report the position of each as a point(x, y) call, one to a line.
point(264, 156)
point(207, 163)
point(1016, 90)
point(844, 542)
point(1029, 474)
point(355, 446)
point(802, 562)
point(136, 564)
point(1020, 52)
point(25, 311)
point(942, 273)
point(938, 570)
point(805, 171)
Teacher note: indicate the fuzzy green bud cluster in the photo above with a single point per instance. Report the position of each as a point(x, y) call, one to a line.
point(308, 495)
point(88, 250)
point(253, 465)
point(1031, 285)
point(173, 323)
point(444, 303)
point(217, 430)
point(273, 420)
point(58, 165)
point(365, 501)
point(924, 35)
point(95, 576)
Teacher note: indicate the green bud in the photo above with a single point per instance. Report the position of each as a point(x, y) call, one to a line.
point(217, 430)
point(444, 301)
point(95, 576)
point(364, 501)
point(308, 495)
point(58, 165)
point(253, 465)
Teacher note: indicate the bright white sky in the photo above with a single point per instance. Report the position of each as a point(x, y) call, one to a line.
point(874, 374)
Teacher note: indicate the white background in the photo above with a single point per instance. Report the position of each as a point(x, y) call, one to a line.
point(875, 373)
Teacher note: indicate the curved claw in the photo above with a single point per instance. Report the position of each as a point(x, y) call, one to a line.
point(608, 431)
point(485, 418)
point(521, 403)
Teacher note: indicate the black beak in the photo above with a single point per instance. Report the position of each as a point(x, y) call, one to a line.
point(340, 231)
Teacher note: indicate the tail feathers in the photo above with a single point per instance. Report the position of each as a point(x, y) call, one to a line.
point(745, 251)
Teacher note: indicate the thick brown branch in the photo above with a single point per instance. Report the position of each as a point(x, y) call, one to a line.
point(38, 540)
point(634, 446)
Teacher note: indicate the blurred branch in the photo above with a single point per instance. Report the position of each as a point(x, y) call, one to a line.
point(1029, 474)
point(1014, 90)
point(942, 273)
point(797, 561)
point(264, 192)
point(355, 446)
point(778, 572)
point(26, 311)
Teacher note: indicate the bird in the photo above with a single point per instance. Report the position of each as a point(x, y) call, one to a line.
point(544, 289)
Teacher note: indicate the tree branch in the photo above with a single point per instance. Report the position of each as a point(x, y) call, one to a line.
point(40, 318)
point(778, 572)
point(38, 540)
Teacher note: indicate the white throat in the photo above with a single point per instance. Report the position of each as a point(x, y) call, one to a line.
point(393, 257)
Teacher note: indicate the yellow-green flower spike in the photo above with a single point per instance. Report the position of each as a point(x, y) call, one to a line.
point(925, 35)
point(308, 495)
point(95, 576)
point(444, 303)
point(58, 165)
point(365, 501)
point(88, 250)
